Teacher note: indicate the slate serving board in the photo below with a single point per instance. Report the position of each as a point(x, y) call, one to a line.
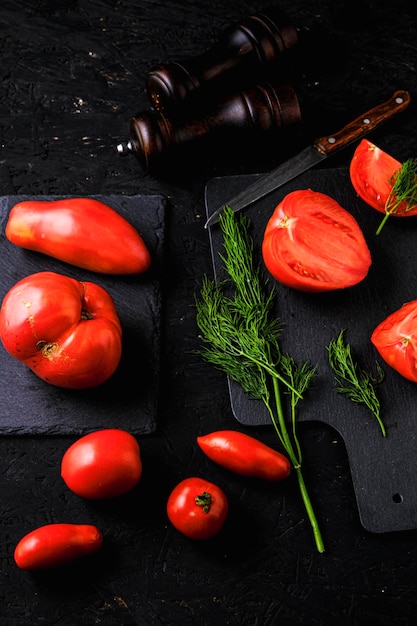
point(129, 399)
point(384, 470)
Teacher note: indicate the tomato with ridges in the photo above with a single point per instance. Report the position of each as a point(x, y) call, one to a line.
point(66, 331)
point(313, 244)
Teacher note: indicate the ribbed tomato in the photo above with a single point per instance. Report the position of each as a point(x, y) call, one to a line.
point(66, 331)
point(311, 243)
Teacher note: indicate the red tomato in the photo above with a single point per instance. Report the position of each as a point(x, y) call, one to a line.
point(396, 340)
point(102, 464)
point(312, 244)
point(197, 508)
point(55, 545)
point(80, 231)
point(371, 173)
point(244, 455)
point(67, 332)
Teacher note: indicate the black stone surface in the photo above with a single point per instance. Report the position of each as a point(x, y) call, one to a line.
point(129, 398)
point(72, 76)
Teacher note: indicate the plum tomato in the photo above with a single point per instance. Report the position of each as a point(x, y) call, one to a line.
point(395, 338)
point(313, 244)
point(245, 455)
point(67, 332)
point(55, 545)
point(372, 172)
point(80, 231)
point(103, 464)
point(197, 508)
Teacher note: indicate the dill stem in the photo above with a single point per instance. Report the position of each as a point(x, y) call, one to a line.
point(309, 509)
point(382, 224)
point(282, 431)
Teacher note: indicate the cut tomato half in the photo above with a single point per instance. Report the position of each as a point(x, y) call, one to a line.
point(311, 243)
point(372, 172)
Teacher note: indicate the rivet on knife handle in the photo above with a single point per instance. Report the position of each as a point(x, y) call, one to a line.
point(362, 125)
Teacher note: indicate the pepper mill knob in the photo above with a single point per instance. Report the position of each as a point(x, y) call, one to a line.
point(244, 51)
point(248, 114)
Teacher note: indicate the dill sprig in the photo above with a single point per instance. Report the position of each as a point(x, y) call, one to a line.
point(403, 191)
point(240, 336)
point(353, 381)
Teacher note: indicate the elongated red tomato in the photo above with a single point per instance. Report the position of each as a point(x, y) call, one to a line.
point(244, 455)
point(54, 545)
point(80, 231)
point(67, 332)
point(395, 338)
point(103, 464)
point(312, 244)
point(371, 173)
point(197, 508)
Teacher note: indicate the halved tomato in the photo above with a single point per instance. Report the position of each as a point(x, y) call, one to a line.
point(371, 172)
point(311, 243)
point(396, 340)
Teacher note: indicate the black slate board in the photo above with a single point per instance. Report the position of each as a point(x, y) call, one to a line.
point(129, 399)
point(383, 470)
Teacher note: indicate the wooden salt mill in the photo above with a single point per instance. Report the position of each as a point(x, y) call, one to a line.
point(243, 116)
point(244, 54)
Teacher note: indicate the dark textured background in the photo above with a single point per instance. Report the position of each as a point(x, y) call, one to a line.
point(72, 76)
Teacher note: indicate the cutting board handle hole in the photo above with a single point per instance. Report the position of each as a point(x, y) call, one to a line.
point(398, 498)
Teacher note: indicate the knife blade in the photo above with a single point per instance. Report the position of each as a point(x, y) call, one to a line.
point(321, 149)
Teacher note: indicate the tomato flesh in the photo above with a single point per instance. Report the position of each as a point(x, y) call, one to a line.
point(371, 173)
point(312, 244)
point(395, 338)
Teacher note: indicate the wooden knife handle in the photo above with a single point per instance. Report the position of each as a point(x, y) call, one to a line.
point(363, 124)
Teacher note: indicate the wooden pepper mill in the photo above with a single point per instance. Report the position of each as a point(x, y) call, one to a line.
point(245, 115)
point(245, 52)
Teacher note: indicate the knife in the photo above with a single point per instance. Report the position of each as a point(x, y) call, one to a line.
point(321, 148)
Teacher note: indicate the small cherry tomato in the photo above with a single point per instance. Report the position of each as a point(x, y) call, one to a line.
point(197, 508)
point(80, 231)
point(244, 455)
point(55, 545)
point(67, 332)
point(371, 172)
point(103, 464)
point(395, 338)
point(312, 244)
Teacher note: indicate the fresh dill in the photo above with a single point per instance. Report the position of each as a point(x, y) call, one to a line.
point(403, 195)
point(352, 381)
point(240, 336)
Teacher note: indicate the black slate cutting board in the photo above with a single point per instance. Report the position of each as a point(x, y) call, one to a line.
point(129, 399)
point(384, 470)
